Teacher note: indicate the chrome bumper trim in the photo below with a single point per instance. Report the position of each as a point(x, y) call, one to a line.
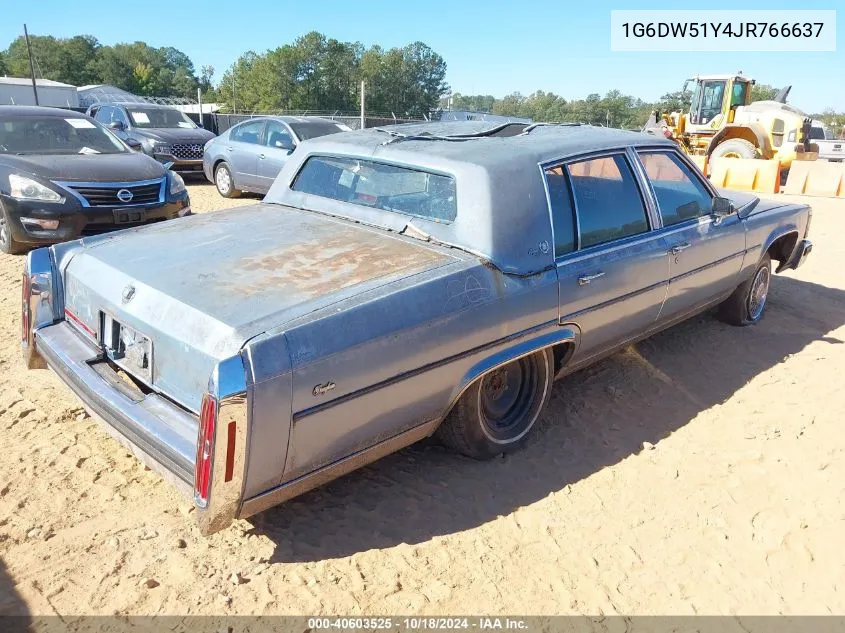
point(159, 433)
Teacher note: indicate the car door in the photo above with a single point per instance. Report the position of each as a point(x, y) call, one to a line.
point(277, 147)
point(705, 253)
point(241, 152)
point(612, 267)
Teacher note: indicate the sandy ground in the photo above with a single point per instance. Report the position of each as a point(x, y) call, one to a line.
point(700, 472)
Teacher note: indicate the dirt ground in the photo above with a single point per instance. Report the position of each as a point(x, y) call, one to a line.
point(702, 471)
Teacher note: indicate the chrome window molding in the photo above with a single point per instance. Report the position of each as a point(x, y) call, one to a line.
point(646, 198)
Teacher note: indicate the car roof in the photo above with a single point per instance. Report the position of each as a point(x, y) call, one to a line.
point(134, 104)
point(482, 143)
point(44, 111)
point(503, 209)
point(288, 119)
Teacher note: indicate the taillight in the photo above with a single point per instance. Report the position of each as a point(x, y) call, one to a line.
point(26, 289)
point(205, 449)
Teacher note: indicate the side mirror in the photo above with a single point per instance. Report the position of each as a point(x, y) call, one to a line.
point(722, 207)
point(116, 125)
point(286, 145)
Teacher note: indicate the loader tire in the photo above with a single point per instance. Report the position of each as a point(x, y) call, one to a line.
point(735, 148)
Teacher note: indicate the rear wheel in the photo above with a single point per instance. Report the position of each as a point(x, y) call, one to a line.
point(748, 302)
point(497, 412)
point(224, 182)
point(8, 244)
point(735, 148)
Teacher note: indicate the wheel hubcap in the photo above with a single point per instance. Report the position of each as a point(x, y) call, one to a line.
point(3, 230)
point(510, 398)
point(223, 180)
point(759, 291)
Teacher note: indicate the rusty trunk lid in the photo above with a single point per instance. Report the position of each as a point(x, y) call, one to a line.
point(200, 287)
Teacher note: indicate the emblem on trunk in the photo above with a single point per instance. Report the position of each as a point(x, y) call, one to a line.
point(124, 195)
point(128, 293)
point(319, 390)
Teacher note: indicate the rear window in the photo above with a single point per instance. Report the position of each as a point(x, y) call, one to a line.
point(371, 184)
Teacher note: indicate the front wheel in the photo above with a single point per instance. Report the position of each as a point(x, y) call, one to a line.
point(497, 412)
point(224, 182)
point(735, 148)
point(8, 244)
point(748, 302)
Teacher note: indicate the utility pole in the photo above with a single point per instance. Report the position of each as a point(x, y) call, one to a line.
point(31, 67)
point(199, 101)
point(363, 120)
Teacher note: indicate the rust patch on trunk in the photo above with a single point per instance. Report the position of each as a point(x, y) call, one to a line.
point(319, 266)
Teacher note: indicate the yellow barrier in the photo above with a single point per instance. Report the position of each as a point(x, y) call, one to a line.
point(816, 178)
point(745, 174)
point(701, 163)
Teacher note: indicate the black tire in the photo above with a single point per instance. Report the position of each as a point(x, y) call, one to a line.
point(735, 147)
point(223, 175)
point(487, 420)
point(8, 244)
point(748, 302)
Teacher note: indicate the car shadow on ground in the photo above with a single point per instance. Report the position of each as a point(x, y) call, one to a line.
point(14, 614)
point(596, 418)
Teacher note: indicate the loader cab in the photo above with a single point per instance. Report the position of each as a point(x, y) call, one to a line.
point(715, 100)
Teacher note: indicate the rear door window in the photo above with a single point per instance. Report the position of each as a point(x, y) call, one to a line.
point(680, 194)
point(607, 200)
point(372, 184)
point(249, 132)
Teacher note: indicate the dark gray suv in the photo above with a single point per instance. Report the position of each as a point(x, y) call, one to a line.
point(163, 132)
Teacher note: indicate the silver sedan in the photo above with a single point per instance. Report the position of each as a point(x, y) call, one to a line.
point(249, 155)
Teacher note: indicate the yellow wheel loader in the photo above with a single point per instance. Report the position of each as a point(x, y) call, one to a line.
point(722, 121)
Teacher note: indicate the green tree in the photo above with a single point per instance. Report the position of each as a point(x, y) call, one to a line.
point(763, 92)
point(678, 101)
point(67, 60)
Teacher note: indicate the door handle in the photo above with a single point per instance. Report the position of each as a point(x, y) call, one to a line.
point(585, 279)
point(678, 248)
point(229, 149)
point(261, 156)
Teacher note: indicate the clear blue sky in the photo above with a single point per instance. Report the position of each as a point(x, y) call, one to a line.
point(491, 47)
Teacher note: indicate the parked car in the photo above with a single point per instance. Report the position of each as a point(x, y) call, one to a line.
point(165, 133)
point(64, 176)
point(249, 156)
point(394, 283)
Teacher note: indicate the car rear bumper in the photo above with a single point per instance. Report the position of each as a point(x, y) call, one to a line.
point(76, 221)
point(162, 435)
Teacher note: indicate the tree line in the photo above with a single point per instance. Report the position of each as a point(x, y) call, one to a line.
point(320, 74)
point(614, 109)
point(81, 60)
point(312, 73)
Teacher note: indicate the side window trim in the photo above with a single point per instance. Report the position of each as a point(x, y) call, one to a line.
point(694, 173)
point(643, 188)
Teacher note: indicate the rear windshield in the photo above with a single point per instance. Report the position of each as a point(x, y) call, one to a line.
point(313, 129)
point(371, 184)
point(55, 135)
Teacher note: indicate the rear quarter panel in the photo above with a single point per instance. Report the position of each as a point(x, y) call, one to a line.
point(397, 357)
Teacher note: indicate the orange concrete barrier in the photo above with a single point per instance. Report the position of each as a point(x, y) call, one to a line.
point(701, 163)
point(816, 178)
point(745, 174)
